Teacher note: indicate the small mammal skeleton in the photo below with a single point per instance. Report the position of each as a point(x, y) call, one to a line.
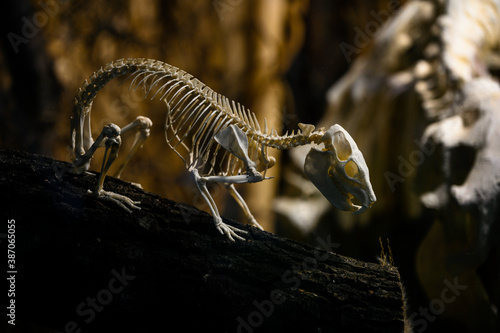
point(218, 140)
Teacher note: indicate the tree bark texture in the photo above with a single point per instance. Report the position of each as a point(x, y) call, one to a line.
point(87, 265)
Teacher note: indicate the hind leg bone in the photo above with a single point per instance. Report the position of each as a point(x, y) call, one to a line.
point(142, 126)
point(111, 140)
point(111, 145)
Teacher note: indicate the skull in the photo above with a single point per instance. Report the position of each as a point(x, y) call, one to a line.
point(339, 171)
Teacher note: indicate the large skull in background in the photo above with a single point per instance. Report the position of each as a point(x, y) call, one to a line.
point(339, 171)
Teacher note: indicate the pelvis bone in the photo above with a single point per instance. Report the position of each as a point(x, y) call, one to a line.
point(339, 171)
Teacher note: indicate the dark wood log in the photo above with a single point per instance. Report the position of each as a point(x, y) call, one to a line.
point(86, 265)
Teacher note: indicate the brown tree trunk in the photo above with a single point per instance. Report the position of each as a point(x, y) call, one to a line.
point(86, 264)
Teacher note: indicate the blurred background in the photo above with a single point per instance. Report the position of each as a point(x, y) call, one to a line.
point(385, 70)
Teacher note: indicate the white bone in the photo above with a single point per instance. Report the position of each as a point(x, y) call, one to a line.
point(239, 199)
point(236, 141)
point(223, 228)
point(307, 129)
point(198, 123)
point(340, 172)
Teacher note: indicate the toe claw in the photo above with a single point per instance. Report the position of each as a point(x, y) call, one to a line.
point(230, 231)
point(121, 200)
point(256, 224)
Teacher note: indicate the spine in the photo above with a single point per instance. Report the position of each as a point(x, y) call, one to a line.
point(115, 69)
point(286, 141)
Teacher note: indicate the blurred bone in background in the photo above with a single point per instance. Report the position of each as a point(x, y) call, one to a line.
point(413, 82)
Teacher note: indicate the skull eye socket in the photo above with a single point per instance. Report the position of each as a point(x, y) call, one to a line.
point(342, 146)
point(351, 169)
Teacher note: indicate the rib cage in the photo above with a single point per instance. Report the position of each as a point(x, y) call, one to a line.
point(195, 114)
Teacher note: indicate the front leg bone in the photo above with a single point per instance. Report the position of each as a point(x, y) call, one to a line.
point(229, 231)
point(237, 179)
point(239, 199)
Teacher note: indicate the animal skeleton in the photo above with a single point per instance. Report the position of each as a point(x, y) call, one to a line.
point(218, 140)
